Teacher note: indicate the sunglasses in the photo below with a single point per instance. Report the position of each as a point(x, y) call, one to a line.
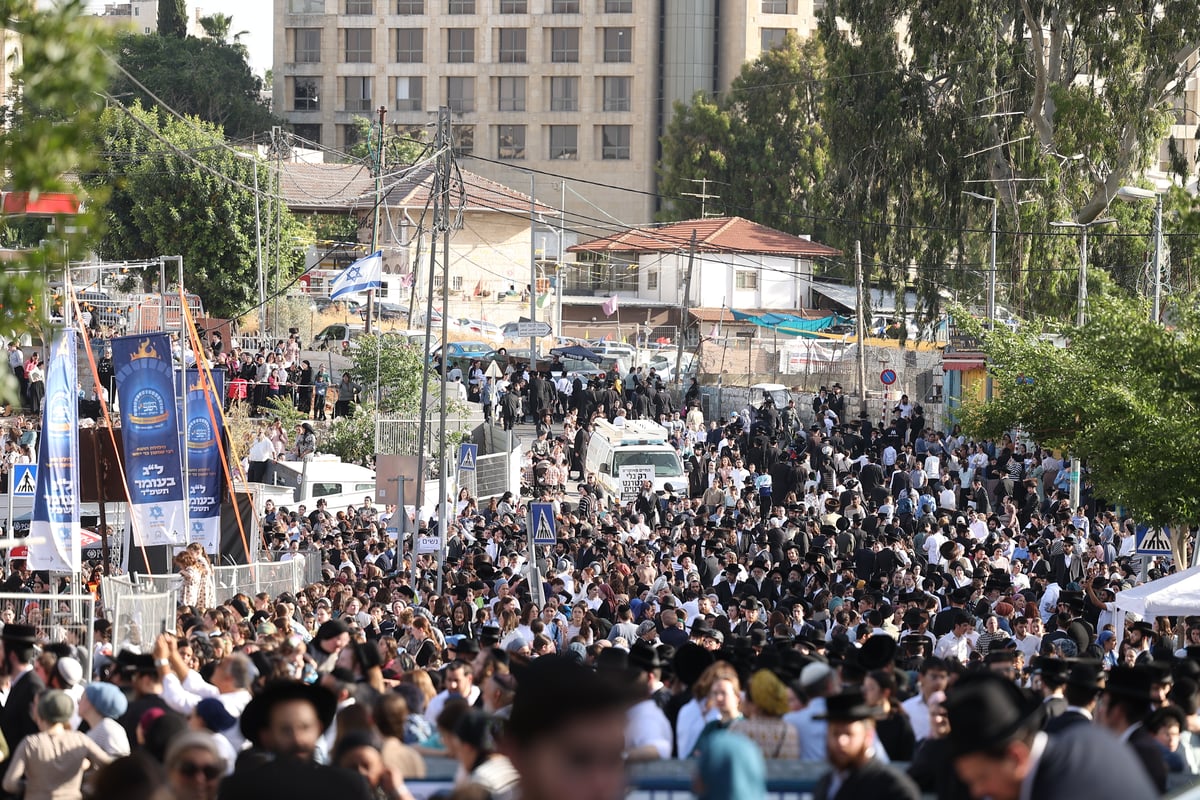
point(190, 769)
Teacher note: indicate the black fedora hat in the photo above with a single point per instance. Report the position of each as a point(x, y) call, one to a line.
point(258, 711)
point(877, 652)
point(1053, 670)
point(987, 712)
point(1086, 675)
point(1132, 682)
point(643, 656)
point(19, 634)
point(848, 707)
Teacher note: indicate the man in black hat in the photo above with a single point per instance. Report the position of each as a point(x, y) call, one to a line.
point(1085, 681)
point(1067, 566)
point(16, 718)
point(1051, 674)
point(1141, 639)
point(1124, 706)
point(850, 747)
point(286, 720)
point(999, 753)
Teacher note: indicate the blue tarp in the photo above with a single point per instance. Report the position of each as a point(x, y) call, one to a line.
point(790, 324)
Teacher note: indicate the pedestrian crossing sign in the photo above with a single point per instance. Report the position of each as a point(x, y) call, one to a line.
point(467, 455)
point(1153, 541)
point(24, 478)
point(541, 522)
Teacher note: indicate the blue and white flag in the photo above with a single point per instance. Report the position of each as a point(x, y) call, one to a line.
point(54, 532)
point(150, 438)
point(204, 458)
point(366, 273)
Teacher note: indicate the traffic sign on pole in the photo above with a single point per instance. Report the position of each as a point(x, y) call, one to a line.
point(1153, 541)
point(24, 478)
point(468, 454)
point(887, 377)
point(533, 329)
point(541, 523)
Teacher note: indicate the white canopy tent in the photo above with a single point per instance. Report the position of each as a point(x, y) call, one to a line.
point(1174, 595)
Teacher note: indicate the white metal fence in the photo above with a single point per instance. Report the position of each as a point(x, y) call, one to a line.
point(272, 577)
point(57, 618)
point(139, 617)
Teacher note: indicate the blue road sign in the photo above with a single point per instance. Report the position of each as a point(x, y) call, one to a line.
point(24, 480)
point(1153, 541)
point(887, 377)
point(541, 522)
point(467, 455)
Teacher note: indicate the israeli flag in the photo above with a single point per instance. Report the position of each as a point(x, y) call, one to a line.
point(366, 273)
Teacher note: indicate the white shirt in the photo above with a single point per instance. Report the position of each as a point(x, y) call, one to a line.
point(439, 702)
point(688, 727)
point(262, 450)
point(918, 715)
point(646, 724)
point(956, 647)
point(1029, 646)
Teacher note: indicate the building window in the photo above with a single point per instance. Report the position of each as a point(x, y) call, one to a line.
point(564, 45)
point(513, 6)
point(306, 94)
point(511, 94)
point(307, 133)
point(616, 93)
point(511, 142)
point(306, 6)
point(775, 7)
point(564, 142)
point(349, 135)
point(512, 45)
point(460, 95)
point(410, 8)
point(618, 6)
point(359, 45)
point(360, 7)
point(618, 45)
point(463, 137)
point(358, 93)
point(460, 45)
point(456, 283)
point(652, 280)
point(564, 7)
point(462, 6)
point(745, 279)
point(307, 46)
point(409, 93)
point(410, 45)
point(614, 142)
point(773, 38)
point(564, 94)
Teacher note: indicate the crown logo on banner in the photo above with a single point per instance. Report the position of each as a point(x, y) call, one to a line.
point(145, 350)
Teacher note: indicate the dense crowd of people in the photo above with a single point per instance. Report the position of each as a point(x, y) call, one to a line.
point(913, 611)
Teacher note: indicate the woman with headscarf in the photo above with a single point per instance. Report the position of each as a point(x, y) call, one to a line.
point(49, 765)
point(320, 388)
point(304, 388)
point(730, 766)
point(769, 700)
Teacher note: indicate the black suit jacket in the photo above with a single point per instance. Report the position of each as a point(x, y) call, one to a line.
point(1064, 721)
point(873, 780)
point(292, 778)
point(1148, 751)
point(16, 719)
point(1064, 573)
point(1087, 761)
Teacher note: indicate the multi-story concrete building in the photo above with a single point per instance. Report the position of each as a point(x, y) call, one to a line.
point(141, 16)
point(577, 88)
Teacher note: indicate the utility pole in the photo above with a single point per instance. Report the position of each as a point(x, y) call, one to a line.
point(684, 303)
point(1158, 236)
point(991, 284)
point(276, 144)
point(426, 437)
point(375, 224)
point(532, 277)
point(860, 325)
point(445, 165)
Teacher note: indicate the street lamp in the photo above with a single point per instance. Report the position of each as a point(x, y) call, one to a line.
point(1083, 227)
point(991, 284)
point(1135, 194)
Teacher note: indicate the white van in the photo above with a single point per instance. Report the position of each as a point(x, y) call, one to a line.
point(640, 443)
point(326, 477)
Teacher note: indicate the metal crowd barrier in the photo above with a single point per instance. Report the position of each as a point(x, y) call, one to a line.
point(140, 617)
point(57, 618)
point(272, 577)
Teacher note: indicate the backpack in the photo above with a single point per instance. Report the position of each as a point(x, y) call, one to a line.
point(904, 505)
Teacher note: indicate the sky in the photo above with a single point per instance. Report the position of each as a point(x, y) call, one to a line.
point(255, 16)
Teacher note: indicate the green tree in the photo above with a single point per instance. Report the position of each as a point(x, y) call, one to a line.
point(1123, 395)
point(352, 439)
point(399, 147)
point(762, 143)
point(218, 26)
point(172, 18)
point(206, 78)
point(177, 188)
point(45, 137)
point(392, 368)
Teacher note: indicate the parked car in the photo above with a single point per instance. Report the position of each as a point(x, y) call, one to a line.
point(386, 311)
